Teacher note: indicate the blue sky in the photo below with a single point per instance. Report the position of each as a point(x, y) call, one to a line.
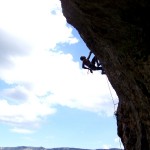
point(46, 98)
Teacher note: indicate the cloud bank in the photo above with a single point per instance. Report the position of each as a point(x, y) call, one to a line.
point(38, 77)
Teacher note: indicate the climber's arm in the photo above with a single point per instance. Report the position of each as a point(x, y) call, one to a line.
point(89, 55)
point(83, 66)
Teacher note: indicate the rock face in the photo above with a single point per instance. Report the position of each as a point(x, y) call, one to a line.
point(118, 33)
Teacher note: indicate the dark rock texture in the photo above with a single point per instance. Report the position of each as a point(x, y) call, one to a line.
point(118, 33)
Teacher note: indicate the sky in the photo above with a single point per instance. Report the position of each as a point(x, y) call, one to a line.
point(46, 98)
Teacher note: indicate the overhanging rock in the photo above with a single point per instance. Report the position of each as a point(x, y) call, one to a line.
point(118, 32)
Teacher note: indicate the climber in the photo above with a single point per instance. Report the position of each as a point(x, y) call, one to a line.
point(91, 64)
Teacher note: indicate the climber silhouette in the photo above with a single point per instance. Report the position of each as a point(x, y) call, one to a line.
point(91, 64)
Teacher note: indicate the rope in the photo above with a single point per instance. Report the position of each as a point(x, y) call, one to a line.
point(113, 104)
point(120, 143)
point(111, 95)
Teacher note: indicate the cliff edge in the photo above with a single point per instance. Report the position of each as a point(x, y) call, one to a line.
point(118, 33)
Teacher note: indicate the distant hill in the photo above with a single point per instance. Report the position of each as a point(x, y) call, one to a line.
point(42, 148)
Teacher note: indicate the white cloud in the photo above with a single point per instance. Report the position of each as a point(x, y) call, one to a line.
point(22, 131)
point(39, 77)
point(105, 146)
point(30, 111)
point(34, 22)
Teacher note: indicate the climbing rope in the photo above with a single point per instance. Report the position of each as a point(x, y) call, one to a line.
point(113, 104)
point(112, 101)
point(109, 91)
point(120, 143)
point(111, 95)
